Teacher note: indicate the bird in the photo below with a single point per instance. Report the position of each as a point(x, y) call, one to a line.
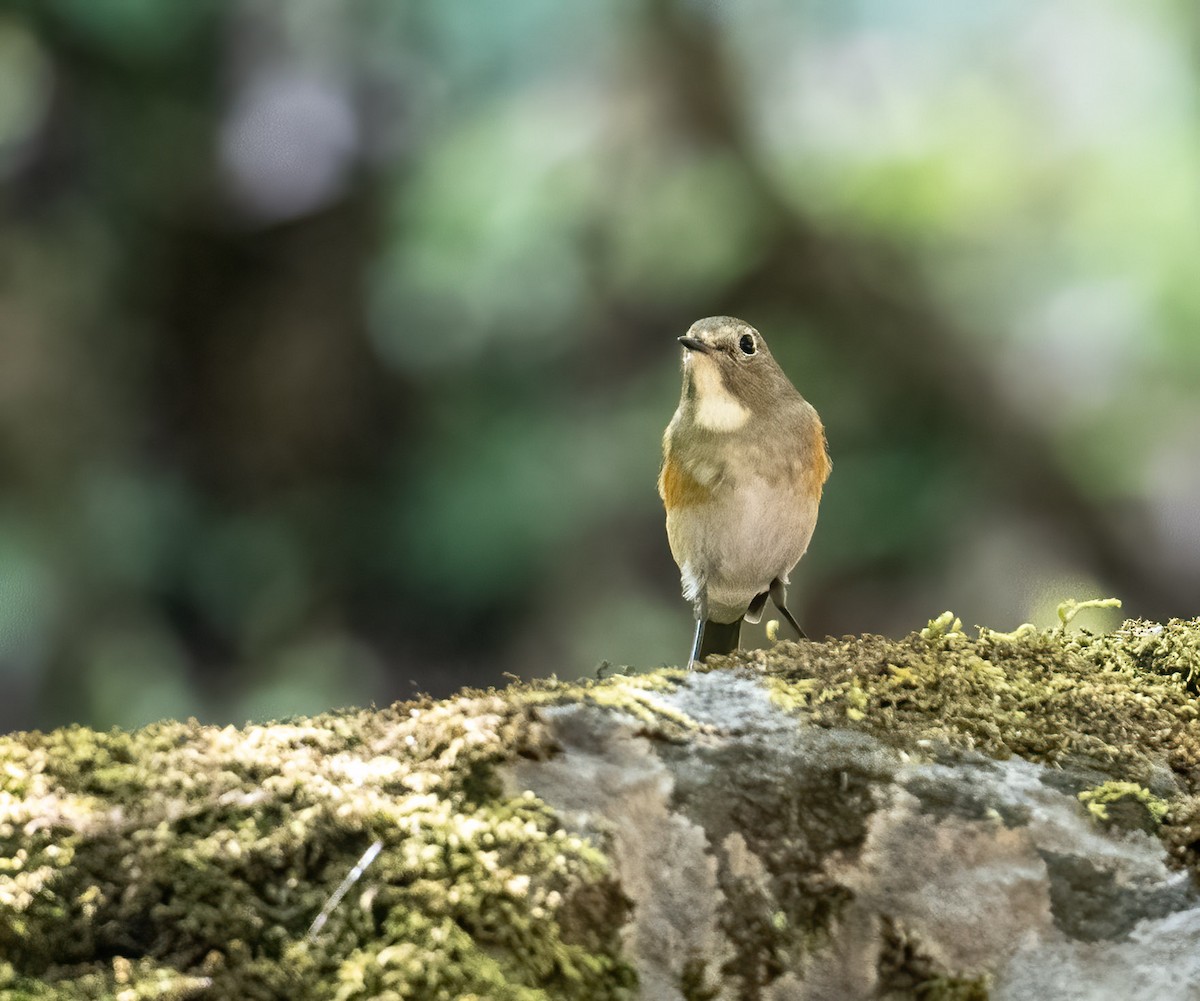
point(745, 461)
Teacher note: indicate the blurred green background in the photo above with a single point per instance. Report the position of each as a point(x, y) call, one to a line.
point(336, 340)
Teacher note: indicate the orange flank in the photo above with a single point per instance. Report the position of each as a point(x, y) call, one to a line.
point(678, 488)
point(821, 465)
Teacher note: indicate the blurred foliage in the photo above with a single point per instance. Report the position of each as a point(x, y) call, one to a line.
point(336, 341)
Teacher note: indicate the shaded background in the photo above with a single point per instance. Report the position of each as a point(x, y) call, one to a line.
point(336, 341)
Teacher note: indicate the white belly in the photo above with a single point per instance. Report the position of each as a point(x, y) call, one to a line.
point(731, 548)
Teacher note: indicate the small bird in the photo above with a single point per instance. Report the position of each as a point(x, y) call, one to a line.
point(744, 464)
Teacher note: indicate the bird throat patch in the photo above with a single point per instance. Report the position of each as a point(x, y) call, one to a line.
point(716, 408)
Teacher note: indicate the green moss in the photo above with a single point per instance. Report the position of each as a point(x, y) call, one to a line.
point(953, 989)
point(693, 982)
point(121, 980)
point(174, 847)
point(906, 971)
point(1121, 702)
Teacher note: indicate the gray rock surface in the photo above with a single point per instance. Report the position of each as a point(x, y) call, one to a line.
point(768, 858)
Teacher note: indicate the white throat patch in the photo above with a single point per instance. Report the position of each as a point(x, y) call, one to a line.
point(716, 408)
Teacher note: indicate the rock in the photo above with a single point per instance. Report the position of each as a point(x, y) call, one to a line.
point(766, 859)
point(939, 818)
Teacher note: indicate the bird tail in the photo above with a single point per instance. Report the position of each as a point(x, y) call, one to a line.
point(716, 637)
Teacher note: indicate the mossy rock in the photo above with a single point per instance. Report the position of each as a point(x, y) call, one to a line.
point(738, 832)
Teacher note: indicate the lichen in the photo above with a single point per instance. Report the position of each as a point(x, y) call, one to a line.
point(1099, 798)
point(632, 695)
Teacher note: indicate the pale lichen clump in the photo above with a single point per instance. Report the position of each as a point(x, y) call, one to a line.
point(631, 695)
point(1122, 703)
point(198, 857)
point(1099, 798)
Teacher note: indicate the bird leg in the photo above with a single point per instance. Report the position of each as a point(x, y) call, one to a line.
point(696, 642)
point(779, 599)
point(701, 610)
point(713, 637)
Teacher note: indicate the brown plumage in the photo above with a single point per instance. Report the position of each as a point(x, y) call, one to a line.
point(744, 466)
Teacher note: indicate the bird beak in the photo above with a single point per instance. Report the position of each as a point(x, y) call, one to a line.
point(694, 345)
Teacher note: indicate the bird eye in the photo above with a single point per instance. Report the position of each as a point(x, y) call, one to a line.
point(746, 344)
